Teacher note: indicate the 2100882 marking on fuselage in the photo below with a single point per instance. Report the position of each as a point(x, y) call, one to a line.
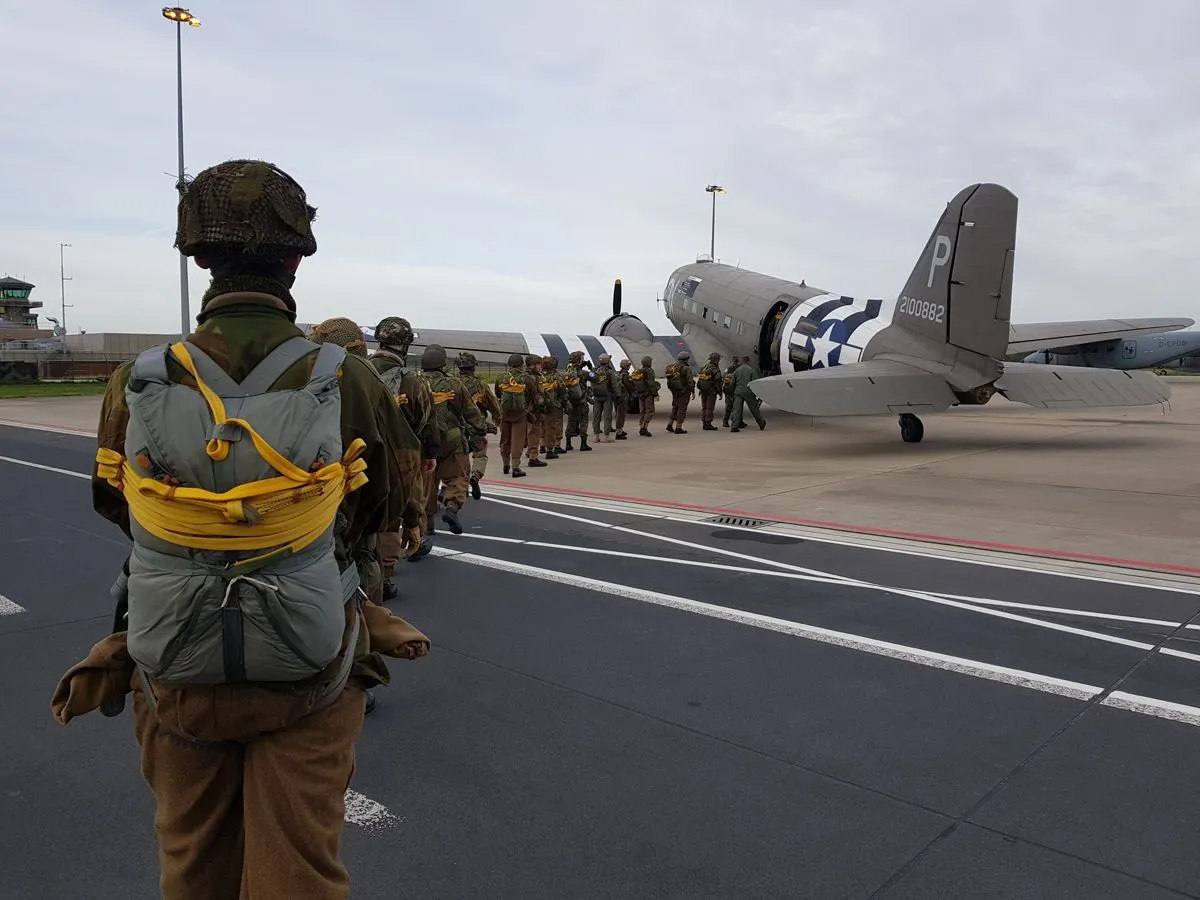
point(922, 309)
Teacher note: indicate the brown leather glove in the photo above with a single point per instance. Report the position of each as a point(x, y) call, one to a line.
point(410, 540)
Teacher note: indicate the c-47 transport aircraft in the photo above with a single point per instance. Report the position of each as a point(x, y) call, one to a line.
point(941, 343)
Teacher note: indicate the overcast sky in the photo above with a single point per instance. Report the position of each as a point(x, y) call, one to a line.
point(497, 165)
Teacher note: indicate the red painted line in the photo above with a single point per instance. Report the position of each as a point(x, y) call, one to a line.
point(874, 532)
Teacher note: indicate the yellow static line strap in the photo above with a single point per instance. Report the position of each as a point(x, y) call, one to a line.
point(440, 397)
point(513, 388)
point(571, 382)
point(288, 511)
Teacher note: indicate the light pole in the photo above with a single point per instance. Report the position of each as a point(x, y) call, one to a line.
point(181, 17)
point(714, 189)
point(62, 280)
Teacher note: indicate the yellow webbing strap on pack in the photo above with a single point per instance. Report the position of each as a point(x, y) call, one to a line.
point(289, 511)
point(516, 387)
point(440, 397)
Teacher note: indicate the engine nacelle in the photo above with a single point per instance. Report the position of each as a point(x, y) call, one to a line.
point(626, 325)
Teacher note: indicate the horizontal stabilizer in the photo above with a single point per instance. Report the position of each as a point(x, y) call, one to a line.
point(1065, 387)
point(1063, 335)
point(874, 387)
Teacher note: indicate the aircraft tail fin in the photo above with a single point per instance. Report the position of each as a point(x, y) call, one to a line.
point(960, 291)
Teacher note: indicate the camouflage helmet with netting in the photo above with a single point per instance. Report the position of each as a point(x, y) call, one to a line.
point(466, 360)
point(343, 332)
point(516, 361)
point(714, 357)
point(647, 360)
point(393, 332)
point(532, 360)
point(550, 362)
point(625, 364)
point(246, 206)
point(576, 357)
point(685, 355)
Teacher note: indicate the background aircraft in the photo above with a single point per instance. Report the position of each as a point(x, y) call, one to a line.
point(941, 343)
point(1131, 353)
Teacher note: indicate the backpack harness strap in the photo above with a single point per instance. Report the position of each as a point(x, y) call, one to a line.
point(285, 513)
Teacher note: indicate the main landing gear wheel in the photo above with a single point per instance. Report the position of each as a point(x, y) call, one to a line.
point(911, 428)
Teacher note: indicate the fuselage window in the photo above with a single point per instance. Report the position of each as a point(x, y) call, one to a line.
point(727, 321)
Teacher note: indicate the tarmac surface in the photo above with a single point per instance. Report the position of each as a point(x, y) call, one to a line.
point(631, 700)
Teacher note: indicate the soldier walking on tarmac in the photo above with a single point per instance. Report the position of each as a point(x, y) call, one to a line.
point(682, 386)
point(485, 401)
point(513, 390)
point(460, 423)
point(709, 383)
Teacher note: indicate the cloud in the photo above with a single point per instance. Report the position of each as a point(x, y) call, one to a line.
point(497, 166)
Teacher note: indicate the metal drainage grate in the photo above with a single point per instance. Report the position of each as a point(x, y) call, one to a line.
point(739, 521)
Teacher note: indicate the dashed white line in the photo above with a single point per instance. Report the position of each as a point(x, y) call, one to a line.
point(8, 608)
point(368, 814)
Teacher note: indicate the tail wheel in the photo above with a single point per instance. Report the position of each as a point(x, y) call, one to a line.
point(911, 428)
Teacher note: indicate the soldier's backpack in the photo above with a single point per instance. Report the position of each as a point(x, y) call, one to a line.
point(394, 378)
point(674, 373)
point(728, 382)
point(602, 386)
point(705, 383)
point(443, 389)
point(234, 491)
point(512, 393)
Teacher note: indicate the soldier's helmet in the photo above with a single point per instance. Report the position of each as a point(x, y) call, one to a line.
point(394, 332)
point(685, 355)
point(625, 364)
point(605, 358)
point(577, 356)
point(715, 357)
point(343, 332)
point(244, 206)
point(434, 357)
point(533, 361)
point(516, 361)
point(647, 360)
point(466, 360)
point(550, 362)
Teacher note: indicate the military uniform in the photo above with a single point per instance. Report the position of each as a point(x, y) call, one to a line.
point(251, 802)
point(514, 389)
point(485, 402)
point(727, 390)
point(394, 335)
point(629, 401)
point(607, 392)
point(646, 387)
point(709, 382)
point(682, 386)
point(577, 392)
point(537, 410)
point(744, 396)
point(461, 426)
point(555, 393)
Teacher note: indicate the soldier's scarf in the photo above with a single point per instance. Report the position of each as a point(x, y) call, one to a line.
point(249, 273)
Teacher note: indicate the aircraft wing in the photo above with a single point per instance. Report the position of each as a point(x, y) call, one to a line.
point(874, 387)
point(1056, 335)
point(1065, 387)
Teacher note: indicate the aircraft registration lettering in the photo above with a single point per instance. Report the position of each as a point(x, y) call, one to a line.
point(922, 309)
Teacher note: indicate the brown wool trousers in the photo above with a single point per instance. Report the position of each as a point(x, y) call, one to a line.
point(454, 472)
point(512, 440)
point(260, 820)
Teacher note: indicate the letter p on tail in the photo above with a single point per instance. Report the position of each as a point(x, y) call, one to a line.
point(941, 255)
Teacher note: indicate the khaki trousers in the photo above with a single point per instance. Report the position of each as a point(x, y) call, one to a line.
point(254, 820)
point(513, 436)
point(708, 405)
point(646, 407)
point(453, 471)
point(679, 406)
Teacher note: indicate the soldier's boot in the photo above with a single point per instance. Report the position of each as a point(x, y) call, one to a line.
point(506, 467)
point(537, 464)
point(551, 454)
point(762, 424)
point(671, 426)
point(450, 517)
point(583, 443)
point(568, 447)
point(644, 432)
point(390, 591)
point(370, 707)
point(422, 551)
point(622, 436)
point(680, 430)
point(517, 473)
point(475, 492)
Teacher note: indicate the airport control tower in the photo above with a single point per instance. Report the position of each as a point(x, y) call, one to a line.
point(18, 321)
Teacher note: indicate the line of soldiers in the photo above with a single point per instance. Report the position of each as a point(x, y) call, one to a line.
point(534, 398)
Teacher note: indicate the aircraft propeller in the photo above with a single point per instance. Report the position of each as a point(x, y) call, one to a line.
point(617, 297)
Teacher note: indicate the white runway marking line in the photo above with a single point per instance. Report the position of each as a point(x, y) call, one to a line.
point(368, 814)
point(831, 577)
point(983, 601)
point(8, 608)
point(866, 541)
point(1048, 684)
point(33, 465)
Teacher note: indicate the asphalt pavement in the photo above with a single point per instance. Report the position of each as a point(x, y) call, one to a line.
point(624, 704)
